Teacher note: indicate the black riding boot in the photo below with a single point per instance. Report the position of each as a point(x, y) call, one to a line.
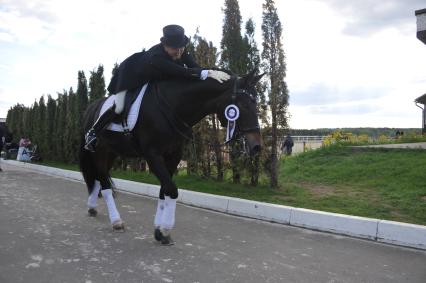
point(99, 125)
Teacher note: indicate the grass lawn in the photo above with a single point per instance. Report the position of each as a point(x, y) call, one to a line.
point(380, 183)
point(371, 182)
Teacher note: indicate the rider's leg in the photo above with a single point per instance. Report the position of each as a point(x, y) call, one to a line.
point(119, 101)
point(104, 120)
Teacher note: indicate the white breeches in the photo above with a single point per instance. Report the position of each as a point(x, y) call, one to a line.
point(91, 202)
point(112, 209)
point(165, 215)
point(119, 101)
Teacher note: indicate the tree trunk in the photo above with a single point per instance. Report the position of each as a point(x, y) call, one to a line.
point(254, 170)
point(274, 159)
point(217, 150)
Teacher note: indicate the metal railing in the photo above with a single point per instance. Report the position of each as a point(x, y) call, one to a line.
point(308, 138)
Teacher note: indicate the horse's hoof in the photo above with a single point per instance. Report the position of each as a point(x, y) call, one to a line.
point(167, 241)
point(157, 234)
point(118, 226)
point(92, 212)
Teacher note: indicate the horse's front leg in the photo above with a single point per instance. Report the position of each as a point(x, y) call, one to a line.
point(165, 215)
point(114, 215)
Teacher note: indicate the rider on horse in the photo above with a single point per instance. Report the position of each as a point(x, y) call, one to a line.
point(164, 60)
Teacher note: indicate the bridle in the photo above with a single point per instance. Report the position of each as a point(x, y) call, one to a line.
point(238, 133)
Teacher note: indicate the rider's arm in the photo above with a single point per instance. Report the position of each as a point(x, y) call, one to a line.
point(170, 68)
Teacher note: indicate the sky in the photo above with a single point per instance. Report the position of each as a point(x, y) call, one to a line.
point(350, 63)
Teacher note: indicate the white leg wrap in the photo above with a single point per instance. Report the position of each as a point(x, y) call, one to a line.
point(159, 213)
point(112, 209)
point(168, 217)
point(91, 202)
point(119, 101)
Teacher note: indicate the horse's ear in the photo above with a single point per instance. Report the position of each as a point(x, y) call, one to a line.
point(250, 77)
point(252, 73)
point(257, 78)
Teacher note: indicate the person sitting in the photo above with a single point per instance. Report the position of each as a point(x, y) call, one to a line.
point(167, 59)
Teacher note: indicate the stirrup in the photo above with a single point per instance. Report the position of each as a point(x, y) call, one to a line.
point(90, 141)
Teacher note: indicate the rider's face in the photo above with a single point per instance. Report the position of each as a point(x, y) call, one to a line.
point(173, 52)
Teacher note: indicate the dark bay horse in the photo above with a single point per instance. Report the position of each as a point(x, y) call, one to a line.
point(169, 109)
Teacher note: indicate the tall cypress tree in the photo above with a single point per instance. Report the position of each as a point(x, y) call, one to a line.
point(77, 107)
point(253, 63)
point(60, 125)
point(206, 55)
point(232, 57)
point(82, 97)
point(72, 137)
point(40, 137)
point(253, 57)
point(275, 68)
point(97, 84)
point(15, 121)
point(51, 139)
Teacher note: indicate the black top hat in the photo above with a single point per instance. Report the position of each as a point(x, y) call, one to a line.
point(174, 36)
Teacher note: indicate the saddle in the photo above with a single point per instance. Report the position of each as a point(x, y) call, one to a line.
point(129, 99)
point(126, 121)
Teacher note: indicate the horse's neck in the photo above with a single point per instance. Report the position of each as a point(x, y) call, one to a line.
point(193, 104)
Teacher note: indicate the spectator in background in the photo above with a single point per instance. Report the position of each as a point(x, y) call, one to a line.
point(287, 146)
point(24, 142)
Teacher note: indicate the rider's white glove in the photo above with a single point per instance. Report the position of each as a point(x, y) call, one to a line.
point(218, 75)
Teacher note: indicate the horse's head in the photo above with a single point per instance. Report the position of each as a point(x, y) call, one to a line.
point(242, 110)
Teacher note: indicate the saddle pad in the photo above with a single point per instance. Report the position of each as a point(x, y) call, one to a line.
point(133, 113)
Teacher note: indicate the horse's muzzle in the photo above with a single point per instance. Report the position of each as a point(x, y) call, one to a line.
point(254, 142)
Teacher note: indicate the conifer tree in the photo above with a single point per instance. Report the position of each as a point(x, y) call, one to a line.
point(60, 125)
point(15, 121)
point(97, 84)
point(72, 138)
point(40, 133)
point(50, 138)
point(253, 63)
point(233, 57)
point(275, 68)
point(206, 55)
point(82, 98)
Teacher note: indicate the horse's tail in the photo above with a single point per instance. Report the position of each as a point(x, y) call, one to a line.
point(87, 167)
point(87, 163)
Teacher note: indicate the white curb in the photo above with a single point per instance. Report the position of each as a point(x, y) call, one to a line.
point(396, 233)
point(335, 223)
point(403, 234)
point(218, 203)
point(260, 210)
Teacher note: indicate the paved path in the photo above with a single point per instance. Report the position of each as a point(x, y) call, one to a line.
point(45, 236)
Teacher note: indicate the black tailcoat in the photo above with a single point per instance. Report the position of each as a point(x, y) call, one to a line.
point(149, 65)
